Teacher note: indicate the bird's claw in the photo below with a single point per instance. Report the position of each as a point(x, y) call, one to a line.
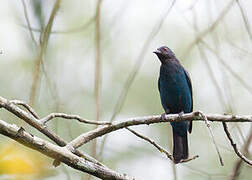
point(163, 116)
point(180, 114)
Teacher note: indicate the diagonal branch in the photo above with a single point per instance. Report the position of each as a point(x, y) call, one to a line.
point(212, 135)
point(161, 149)
point(245, 149)
point(26, 106)
point(32, 121)
point(245, 19)
point(238, 153)
point(61, 153)
point(28, 23)
point(44, 37)
point(73, 30)
point(210, 28)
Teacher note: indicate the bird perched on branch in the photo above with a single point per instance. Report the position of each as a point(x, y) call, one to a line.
point(175, 90)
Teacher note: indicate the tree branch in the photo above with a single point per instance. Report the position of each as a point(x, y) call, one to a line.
point(31, 120)
point(100, 131)
point(245, 150)
point(160, 148)
point(60, 153)
point(212, 135)
point(54, 151)
point(238, 153)
point(70, 116)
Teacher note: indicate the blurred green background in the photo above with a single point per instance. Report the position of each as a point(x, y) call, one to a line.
point(67, 80)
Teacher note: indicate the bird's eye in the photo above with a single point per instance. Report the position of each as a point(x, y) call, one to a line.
point(166, 49)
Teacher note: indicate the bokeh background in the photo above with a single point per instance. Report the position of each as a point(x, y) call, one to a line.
point(211, 38)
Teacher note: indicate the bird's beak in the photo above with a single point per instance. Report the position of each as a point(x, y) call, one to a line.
point(157, 52)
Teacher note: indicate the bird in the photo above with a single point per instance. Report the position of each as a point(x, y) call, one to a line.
point(175, 89)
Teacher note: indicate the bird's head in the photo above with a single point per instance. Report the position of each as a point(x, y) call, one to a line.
point(164, 54)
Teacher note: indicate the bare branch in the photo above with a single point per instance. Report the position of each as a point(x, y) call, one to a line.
point(44, 37)
point(161, 149)
point(59, 153)
point(237, 167)
point(74, 30)
point(245, 19)
point(238, 153)
point(26, 106)
point(210, 29)
point(97, 83)
point(211, 74)
point(31, 120)
point(100, 131)
point(212, 135)
point(69, 116)
point(230, 70)
point(28, 23)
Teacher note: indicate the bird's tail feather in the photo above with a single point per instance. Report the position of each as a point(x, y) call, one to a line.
point(180, 147)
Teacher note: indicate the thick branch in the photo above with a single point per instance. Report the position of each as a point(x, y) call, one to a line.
point(31, 120)
point(59, 153)
point(100, 131)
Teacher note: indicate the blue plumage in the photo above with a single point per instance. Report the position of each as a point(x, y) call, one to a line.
point(176, 96)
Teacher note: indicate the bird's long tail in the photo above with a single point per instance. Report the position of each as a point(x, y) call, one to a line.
point(180, 147)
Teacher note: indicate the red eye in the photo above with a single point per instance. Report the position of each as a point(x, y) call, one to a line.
point(166, 49)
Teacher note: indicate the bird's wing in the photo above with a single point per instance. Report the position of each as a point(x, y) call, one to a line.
point(190, 86)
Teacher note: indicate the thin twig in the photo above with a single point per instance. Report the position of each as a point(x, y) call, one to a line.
point(235, 75)
point(212, 135)
point(208, 66)
point(161, 149)
point(74, 30)
point(70, 116)
point(26, 106)
point(245, 19)
point(211, 74)
point(210, 28)
point(238, 153)
point(237, 167)
point(97, 83)
point(44, 37)
point(28, 23)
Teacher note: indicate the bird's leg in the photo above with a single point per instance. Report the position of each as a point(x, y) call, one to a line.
point(167, 111)
point(180, 115)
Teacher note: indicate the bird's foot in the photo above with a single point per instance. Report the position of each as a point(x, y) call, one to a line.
point(180, 115)
point(163, 116)
point(167, 111)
